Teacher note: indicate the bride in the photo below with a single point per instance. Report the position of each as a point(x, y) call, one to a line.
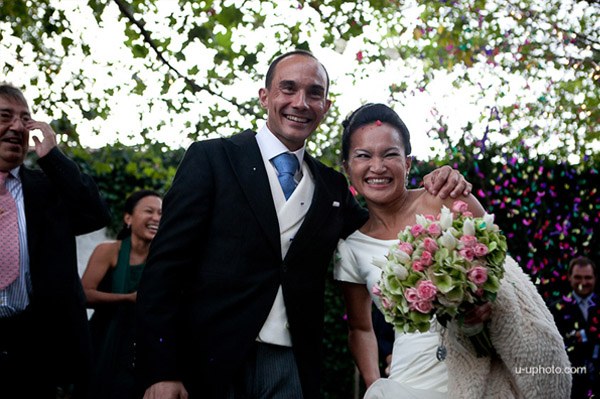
point(375, 152)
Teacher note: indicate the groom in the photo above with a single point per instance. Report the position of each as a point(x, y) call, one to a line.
point(231, 301)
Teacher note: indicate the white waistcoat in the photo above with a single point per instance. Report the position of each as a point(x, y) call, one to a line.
point(290, 214)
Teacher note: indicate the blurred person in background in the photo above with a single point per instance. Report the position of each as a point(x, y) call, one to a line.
point(110, 283)
point(577, 316)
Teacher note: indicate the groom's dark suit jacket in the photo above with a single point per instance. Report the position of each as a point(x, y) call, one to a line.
point(215, 267)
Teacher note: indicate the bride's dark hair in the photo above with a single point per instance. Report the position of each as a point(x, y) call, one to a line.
point(370, 113)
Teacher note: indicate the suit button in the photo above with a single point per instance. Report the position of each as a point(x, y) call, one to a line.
point(284, 268)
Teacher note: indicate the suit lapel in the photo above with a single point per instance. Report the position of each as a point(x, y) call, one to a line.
point(32, 202)
point(249, 168)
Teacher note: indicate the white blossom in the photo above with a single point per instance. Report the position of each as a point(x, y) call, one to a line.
point(445, 218)
point(400, 255)
point(469, 227)
point(421, 220)
point(448, 241)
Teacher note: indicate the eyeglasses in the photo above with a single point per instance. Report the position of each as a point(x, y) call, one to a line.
point(8, 117)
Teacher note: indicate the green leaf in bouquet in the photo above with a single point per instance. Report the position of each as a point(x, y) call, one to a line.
point(472, 286)
point(393, 284)
point(456, 294)
point(441, 255)
point(443, 282)
point(492, 284)
point(420, 318)
point(490, 296)
point(413, 278)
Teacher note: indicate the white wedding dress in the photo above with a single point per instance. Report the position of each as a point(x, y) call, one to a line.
point(415, 371)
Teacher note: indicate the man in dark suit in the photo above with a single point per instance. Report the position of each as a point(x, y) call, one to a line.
point(231, 300)
point(577, 317)
point(44, 343)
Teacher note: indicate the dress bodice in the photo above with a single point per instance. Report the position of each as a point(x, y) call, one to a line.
point(414, 362)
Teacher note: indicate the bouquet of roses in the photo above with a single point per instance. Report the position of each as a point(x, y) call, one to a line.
point(441, 267)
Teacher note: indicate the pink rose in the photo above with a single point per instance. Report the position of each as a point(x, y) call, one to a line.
point(426, 290)
point(479, 292)
point(430, 245)
point(467, 253)
point(406, 247)
point(431, 218)
point(460, 207)
point(434, 230)
point(467, 214)
point(411, 295)
point(426, 258)
point(416, 230)
point(480, 250)
point(477, 275)
point(418, 266)
point(468, 241)
point(376, 290)
point(386, 303)
point(423, 306)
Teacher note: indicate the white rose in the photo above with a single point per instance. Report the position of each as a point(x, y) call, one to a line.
point(448, 241)
point(445, 218)
point(421, 220)
point(400, 255)
point(489, 221)
point(400, 272)
point(469, 228)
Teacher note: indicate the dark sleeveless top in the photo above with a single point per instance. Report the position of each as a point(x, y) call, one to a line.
point(126, 277)
point(113, 333)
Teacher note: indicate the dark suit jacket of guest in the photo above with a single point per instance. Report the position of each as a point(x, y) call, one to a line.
point(569, 319)
point(215, 267)
point(60, 203)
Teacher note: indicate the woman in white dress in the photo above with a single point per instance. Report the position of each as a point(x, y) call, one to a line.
point(375, 151)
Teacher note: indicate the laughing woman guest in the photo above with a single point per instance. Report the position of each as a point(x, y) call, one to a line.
point(110, 283)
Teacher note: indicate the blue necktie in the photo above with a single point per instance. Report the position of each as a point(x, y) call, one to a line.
point(287, 165)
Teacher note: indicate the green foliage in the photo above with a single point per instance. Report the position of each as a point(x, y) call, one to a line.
point(531, 67)
point(535, 62)
point(120, 170)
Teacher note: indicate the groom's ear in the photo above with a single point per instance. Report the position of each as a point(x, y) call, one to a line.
point(263, 97)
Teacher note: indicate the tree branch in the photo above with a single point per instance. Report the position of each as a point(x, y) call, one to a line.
point(125, 9)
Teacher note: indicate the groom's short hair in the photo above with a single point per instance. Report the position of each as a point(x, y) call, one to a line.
point(581, 261)
point(273, 66)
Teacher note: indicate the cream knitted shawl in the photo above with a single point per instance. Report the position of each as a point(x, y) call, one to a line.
point(531, 360)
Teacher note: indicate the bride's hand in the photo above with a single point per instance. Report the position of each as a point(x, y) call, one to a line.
point(447, 182)
point(479, 314)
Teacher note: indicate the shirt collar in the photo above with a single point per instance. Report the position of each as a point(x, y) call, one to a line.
point(15, 172)
point(587, 300)
point(270, 146)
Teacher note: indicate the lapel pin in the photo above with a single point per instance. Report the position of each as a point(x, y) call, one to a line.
point(336, 204)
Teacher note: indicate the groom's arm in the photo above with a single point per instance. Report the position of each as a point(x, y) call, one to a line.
point(446, 181)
